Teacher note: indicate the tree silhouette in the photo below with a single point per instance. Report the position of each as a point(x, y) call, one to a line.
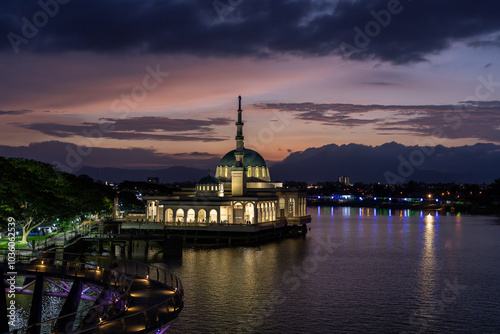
point(33, 192)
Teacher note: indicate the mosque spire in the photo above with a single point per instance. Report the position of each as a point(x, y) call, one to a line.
point(239, 109)
point(240, 149)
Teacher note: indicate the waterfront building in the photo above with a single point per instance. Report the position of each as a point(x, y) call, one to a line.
point(241, 192)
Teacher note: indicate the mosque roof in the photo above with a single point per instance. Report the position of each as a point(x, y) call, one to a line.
point(250, 159)
point(209, 180)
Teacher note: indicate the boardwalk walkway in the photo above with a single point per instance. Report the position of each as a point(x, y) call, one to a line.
point(144, 298)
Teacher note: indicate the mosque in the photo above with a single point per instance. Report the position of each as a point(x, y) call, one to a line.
point(240, 193)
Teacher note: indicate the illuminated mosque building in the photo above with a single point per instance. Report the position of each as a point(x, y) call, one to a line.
point(241, 193)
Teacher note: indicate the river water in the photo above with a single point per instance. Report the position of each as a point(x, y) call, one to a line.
point(359, 270)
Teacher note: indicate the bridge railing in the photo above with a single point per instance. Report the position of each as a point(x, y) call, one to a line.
point(111, 312)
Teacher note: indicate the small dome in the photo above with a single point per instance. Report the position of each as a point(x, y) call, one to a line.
point(251, 159)
point(209, 180)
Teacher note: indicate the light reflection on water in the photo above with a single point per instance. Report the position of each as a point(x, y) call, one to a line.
point(427, 270)
point(389, 271)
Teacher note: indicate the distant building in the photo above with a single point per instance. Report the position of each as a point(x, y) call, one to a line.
point(344, 180)
point(154, 180)
point(241, 192)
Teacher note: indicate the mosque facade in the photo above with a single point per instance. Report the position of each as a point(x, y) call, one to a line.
point(241, 192)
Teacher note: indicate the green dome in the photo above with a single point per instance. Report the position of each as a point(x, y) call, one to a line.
point(209, 180)
point(251, 159)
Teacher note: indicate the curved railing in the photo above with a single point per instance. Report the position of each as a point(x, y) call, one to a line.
point(110, 312)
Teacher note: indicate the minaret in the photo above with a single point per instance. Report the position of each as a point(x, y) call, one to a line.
point(239, 137)
point(238, 173)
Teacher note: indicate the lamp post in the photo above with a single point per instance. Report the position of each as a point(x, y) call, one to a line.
point(39, 235)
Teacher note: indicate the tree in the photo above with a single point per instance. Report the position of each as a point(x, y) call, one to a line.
point(88, 196)
point(33, 192)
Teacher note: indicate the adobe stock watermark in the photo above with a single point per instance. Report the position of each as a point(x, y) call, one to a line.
point(373, 28)
point(223, 8)
point(123, 105)
point(452, 120)
point(420, 318)
point(292, 280)
point(30, 28)
point(11, 273)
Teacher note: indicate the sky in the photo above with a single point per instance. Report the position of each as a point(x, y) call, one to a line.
point(150, 83)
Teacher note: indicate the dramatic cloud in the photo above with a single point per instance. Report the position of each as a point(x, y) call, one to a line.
point(468, 119)
point(165, 124)
point(14, 112)
point(409, 32)
point(328, 114)
point(137, 128)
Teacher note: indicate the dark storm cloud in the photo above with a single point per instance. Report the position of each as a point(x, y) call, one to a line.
point(495, 42)
point(137, 128)
point(467, 119)
point(254, 27)
point(165, 124)
point(195, 154)
point(324, 113)
point(14, 112)
point(379, 83)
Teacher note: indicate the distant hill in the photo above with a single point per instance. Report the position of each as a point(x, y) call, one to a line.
point(392, 163)
point(387, 163)
point(166, 175)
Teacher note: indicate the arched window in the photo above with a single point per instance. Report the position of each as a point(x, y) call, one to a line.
point(256, 171)
point(213, 216)
point(179, 216)
point(190, 216)
point(202, 216)
point(249, 213)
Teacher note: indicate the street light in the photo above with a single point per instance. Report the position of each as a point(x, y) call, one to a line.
point(39, 235)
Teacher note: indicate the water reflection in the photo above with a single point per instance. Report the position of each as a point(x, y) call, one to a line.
point(427, 270)
point(381, 271)
point(347, 211)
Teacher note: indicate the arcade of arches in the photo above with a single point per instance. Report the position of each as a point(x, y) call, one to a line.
point(231, 212)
